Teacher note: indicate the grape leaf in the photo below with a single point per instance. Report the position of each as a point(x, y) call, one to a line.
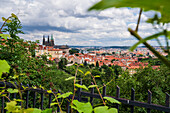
point(112, 100)
point(87, 73)
point(81, 71)
point(82, 107)
point(13, 15)
point(104, 109)
point(52, 104)
point(10, 106)
point(81, 86)
point(10, 90)
point(9, 21)
point(91, 86)
point(69, 78)
point(4, 67)
point(65, 95)
point(5, 36)
point(3, 18)
point(49, 91)
point(48, 110)
point(157, 5)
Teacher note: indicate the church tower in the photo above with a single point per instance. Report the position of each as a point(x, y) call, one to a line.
point(48, 40)
point(52, 40)
point(43, 40)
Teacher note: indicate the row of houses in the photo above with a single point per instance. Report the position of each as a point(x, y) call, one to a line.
point(126, 61)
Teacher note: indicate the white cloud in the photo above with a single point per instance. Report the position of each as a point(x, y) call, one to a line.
point(108, 27)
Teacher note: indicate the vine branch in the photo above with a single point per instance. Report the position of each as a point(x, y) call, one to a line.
point(140, 13)
point(156, 53)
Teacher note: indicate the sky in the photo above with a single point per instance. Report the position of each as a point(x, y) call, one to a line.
point(70, 23)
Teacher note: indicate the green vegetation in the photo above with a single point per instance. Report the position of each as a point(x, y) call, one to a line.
point(73, 51)
point(18, 63)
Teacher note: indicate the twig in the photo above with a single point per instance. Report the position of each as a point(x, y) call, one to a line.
point(140, 13)
point(156, 53)
point(74, 88)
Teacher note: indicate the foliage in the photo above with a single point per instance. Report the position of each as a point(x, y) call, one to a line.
point(62, 64)
point(25, 68)
point(4, 67)
point(82, 107)
point(73, 51)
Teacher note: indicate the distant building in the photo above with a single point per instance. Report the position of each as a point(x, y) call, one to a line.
point(48, 42)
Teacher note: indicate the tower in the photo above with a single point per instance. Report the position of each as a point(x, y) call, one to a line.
point(48, 40)
point(52, 40)
point(43, 40)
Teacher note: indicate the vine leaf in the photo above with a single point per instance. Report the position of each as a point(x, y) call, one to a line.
point(9, 21)
point(81, 86)
point(5, 36)
point(69, 78)
point(11, 106)
point(52, 104)
point(13, 15)
point(146, 39)
point(49, 91)
point(10, 90)
point(104, 109)
point(35, 110)
point(65, 95)
point(112, 100)
point(91, 86)
point(147, 5)
point(81, 71)
point(4, 67)
point(29, 110)
point(3, 18)
point(87, 73)
point(82, 107)
point(97, 76)
point(48, 110)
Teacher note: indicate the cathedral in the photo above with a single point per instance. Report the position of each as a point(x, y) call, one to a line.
point(48, 42)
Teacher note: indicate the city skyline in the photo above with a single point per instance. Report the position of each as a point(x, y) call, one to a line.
point(71, 23)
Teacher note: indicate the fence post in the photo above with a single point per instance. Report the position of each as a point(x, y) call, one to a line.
point(132, 98)
point(104, 90)
point(34, 99)
point(42, 98)
point(117, 96)
point(27, 97)
point(3, 103)
point(91, 98)
point(21, 88)
point(149, 100)
point(167, 100)
point(59, 100)
point(49, 102)
point(14, 95)
point(68, 105)
point(79, 91)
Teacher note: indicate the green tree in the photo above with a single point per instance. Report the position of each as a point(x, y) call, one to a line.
point(62, 64)
point(97, 64)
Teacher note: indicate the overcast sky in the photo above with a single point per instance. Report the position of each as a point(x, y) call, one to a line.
point(71, 23)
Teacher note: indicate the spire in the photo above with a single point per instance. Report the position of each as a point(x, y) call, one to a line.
point(52, 37)
point(48, 39)
point(43, 40)
point(52, 40)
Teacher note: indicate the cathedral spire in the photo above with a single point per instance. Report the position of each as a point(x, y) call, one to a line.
point(52, 40)
point(43, 40)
